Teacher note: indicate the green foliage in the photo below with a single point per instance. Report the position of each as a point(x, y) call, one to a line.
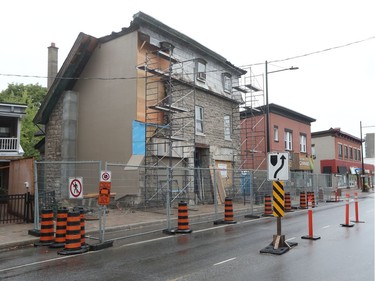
point(32, 96)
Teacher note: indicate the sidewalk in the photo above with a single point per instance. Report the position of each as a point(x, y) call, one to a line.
point(16, 235)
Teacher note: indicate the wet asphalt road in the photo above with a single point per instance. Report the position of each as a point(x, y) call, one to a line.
point(220, 253)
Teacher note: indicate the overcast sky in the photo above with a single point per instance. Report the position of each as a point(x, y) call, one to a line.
point(332, 42)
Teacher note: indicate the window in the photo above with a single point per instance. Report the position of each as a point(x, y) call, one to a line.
point(288, 140)
point(199, 120)
point(4, 132)
point(359, 155)
point(276, 133)
point(355, 154)
point(339, 148)
point(227, 82)
point(227, 127)
point(302, 143)
point(201, 69)
point(350, 152)
point(345, 152)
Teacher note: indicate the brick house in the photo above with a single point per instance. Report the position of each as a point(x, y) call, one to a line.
point(146, 95)
point(340, 154)
point(289, 131)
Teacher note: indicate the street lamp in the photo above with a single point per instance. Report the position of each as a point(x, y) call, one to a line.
point(362, 160)
point(267, 104)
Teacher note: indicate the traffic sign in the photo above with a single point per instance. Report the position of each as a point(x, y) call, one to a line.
point(278, 166)
point(105, 176)
point(75, 188)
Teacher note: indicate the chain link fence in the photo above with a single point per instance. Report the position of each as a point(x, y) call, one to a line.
point(162, 187)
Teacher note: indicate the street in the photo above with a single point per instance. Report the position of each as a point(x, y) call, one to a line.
point(221, 253)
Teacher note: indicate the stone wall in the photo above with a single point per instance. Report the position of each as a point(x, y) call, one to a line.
point(54, 133)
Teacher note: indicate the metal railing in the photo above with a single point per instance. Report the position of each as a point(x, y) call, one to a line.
point(8, 144)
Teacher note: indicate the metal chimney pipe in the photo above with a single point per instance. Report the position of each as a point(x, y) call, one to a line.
point(52, 64)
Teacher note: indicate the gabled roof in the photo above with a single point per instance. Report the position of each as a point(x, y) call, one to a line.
point(142, 19)
point(279, 110)
point(335, 132)
point(68, 74)
point(85, 45)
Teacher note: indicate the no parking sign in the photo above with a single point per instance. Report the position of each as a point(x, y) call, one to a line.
point(104, 188)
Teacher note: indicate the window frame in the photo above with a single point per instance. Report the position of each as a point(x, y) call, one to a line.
point(199, 120)
point(201, 70)
point(303, 143)
point(227, 127)
point(288, 140)
point(345, 151)
point(276, 133)
point(340, 151)
point(227, 86)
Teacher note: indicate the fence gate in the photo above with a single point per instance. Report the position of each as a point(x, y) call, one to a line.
point(16, 208)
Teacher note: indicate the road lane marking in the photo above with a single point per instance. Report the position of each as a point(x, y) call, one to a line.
point(34, 263)
point(326, 226)
point(228, 260)
point(146, 241)
point(292, 238)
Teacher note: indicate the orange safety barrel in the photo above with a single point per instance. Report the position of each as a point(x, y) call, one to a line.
point(288, 203)
point(267, 206)
point(61, 220)
point(47, 233)
point(228, 210)
point(73, 241)
point(183, 218)
point(302, 200)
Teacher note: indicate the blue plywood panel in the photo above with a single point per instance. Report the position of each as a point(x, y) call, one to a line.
point(138, 138)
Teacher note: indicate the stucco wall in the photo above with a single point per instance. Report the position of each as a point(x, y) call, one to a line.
point(107, 107)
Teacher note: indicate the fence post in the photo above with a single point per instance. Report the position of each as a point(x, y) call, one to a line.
point(215, 193)
point(36, 230)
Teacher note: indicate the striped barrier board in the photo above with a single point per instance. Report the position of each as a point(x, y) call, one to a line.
point(278, 198)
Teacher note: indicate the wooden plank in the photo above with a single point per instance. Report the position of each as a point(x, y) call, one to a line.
point(216, 178)
point(220, 186)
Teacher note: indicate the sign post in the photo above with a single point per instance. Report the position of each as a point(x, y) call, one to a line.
point(278, 172)
point(103, 200)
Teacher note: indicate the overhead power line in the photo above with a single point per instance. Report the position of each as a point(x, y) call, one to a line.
point(243, 66)
point(314, 53)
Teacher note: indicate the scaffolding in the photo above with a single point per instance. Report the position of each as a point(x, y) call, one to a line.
point(170, 127)
point(252, 122)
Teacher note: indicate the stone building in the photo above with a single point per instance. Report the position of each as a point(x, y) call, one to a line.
point(147, 96)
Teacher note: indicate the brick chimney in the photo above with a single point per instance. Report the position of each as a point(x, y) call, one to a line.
point(52, 64)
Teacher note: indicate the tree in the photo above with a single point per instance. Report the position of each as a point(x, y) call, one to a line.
point(32, 96)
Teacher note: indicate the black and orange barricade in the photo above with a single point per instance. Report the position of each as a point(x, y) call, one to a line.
point(313, 202)
point(228, 212)
point(267, 206)
point(61, 219)
point(47, 234)
point(302, 200)
point(73, 243)
point(310, 195)
point(288, 203)
point(82, 224)
point(182, 220)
